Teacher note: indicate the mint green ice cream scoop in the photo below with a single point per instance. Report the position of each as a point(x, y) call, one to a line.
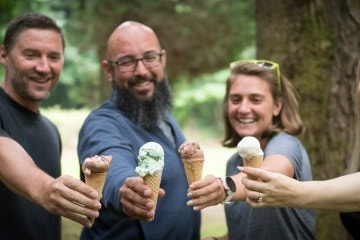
point(151, 159)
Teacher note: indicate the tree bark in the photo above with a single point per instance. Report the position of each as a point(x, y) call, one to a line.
point(317, 44)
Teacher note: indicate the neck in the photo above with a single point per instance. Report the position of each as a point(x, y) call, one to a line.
point(33, 106)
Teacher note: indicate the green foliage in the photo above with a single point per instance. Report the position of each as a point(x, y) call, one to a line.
point(200, 37)
point(79, 82)
point(200, 103)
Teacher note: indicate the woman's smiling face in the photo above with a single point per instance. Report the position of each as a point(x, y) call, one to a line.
point(251, 107)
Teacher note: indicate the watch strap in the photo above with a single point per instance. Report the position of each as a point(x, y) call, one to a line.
point(228, 192)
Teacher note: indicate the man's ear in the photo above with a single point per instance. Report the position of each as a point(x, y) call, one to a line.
point(3, 55)
point(163, 58)
point(108, 69)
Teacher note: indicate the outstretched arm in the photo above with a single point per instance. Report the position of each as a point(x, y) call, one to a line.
point(209, 191)
point(337, 194)
point(64, 196)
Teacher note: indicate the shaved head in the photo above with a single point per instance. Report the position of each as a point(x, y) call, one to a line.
point(131, 34)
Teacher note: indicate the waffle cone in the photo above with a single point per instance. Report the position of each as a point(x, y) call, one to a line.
point(153, 182)
point(254, 161)
point(193, 169)
point(96, 181)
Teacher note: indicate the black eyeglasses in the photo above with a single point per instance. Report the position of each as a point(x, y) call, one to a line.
point(262, 63)
point(129, 63)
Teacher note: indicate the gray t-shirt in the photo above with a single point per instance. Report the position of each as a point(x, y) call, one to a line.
point(245, 222)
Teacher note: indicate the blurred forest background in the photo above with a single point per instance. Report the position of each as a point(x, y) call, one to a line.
point(316, 43)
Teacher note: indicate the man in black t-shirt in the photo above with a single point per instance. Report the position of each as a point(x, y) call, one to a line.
point(33, 195)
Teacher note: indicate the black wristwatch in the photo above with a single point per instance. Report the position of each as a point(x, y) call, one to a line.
point(229, 187)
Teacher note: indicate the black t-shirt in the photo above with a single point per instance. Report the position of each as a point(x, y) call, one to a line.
point(20, 218)
point(351, 221)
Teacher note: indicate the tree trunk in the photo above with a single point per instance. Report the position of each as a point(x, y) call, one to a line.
point(317, 44)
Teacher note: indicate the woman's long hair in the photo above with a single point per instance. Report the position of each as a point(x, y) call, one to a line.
point(288, 120)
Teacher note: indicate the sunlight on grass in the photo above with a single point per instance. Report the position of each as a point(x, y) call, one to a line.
point(69, 123)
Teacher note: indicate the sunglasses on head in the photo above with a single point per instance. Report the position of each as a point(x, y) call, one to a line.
point(262, 63)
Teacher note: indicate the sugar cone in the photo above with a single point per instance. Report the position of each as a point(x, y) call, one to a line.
point(96, 181)
point(153, 182)
point(193, 169)
point(253, 161)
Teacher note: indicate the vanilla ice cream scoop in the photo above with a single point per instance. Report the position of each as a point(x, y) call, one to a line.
point(249, 146)
point(250, 151)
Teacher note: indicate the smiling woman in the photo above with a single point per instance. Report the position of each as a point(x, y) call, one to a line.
point(261, 103)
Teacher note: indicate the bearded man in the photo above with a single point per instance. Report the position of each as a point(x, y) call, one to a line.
point(137, 112)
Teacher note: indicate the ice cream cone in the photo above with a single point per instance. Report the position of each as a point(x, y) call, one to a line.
point(95, 169)
point(153, 182)
point(253, 161)
point(96, 181)
point(193, 160)
point(150, 167)
point(193, 169)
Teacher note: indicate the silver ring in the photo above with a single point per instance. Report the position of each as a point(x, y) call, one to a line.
point(260, 198)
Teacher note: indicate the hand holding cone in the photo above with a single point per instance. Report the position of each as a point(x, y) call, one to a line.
point(150, 167)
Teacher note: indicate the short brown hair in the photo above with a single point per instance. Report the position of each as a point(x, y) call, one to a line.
point(29, 21)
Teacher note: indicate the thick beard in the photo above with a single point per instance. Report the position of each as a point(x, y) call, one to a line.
point(145, 113)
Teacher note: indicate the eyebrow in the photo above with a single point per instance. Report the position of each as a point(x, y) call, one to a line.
point(145, 53)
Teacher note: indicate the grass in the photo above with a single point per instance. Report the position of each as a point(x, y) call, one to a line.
point(69, 123)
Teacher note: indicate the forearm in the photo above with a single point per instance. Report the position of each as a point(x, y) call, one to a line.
point(338, 194)
point(240, 193)
point(274, 163)
point(19, 172)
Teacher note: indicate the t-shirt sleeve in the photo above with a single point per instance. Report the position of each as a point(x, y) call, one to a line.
point(290, 147)
point(3, 133)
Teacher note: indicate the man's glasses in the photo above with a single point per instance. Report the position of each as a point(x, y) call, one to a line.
point(262, 63)
point(128, 64)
